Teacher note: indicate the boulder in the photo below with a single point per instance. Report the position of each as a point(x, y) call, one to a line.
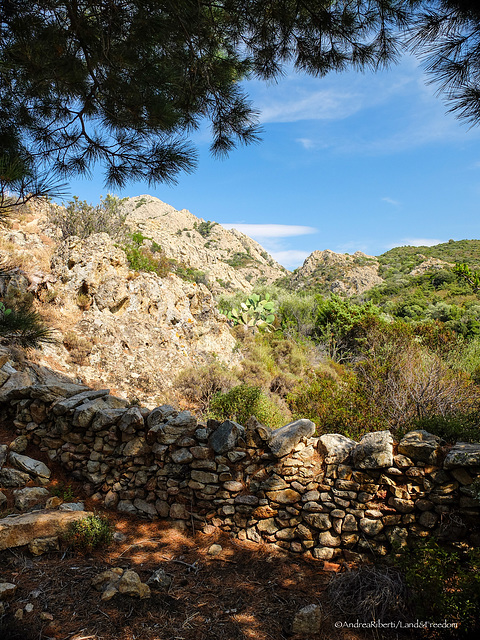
point(29, 465)
point(30, 496)
point(19, 444)
point(13, 478)
point(420, 445)
point(335, 448)
point(226, 436)
point(374, 451)
point(308, 621)
point(3, 454)
point(16, 531)
point(463, 454)
point(285, 439)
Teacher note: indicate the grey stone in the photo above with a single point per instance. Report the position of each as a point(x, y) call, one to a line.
point(3, 500)
point(18, 445)
point(136, 447)
point(463, 454)
point(71, 506)
point(29, 465)
point(204, 476)
point(13, 478)
point(160, 580)
point(285, 439)
point(131, 420)
point(3, 454)
point(182, 456)
point(374, 451)
point(420, 445)
point(226, 436)
point(29, 496)
point(349, 523)
point(160, 414)
point(335, 447)
point(308, 621)
point(145, 507)
point(63, 406)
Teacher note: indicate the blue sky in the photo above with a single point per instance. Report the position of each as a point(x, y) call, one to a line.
point(348, 162)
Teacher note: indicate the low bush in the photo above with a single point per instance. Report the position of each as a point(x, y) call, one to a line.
point(199, 384)
point(89, 533)
point(243, 401)
point(79, 218)
point(446, 586)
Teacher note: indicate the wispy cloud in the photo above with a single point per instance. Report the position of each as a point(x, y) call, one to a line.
point(271, 230)
point(306, 143)
point(391, 201)
point(290, 258)
point(414, 242)
point(328, 104)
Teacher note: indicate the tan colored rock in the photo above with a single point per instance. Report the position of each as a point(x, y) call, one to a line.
point(356, 273)
point(131, 585)
point(7, 590)
point(39, 546)
point(16, 531)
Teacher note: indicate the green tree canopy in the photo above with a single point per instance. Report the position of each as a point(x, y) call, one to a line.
point(123, 83)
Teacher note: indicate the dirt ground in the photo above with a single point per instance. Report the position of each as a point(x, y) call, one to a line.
point(246, 592)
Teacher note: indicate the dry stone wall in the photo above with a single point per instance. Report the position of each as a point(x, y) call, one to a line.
point(326, 496)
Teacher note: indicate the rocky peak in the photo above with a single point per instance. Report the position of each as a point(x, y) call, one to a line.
point(338, 272)
point(230, 259)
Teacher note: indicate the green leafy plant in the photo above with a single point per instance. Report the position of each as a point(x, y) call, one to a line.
point(254, 312)
point(89, 533)
point(63, 491)
point(243, 401)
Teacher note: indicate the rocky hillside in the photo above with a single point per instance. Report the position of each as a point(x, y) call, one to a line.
point(230, 259)
point(330, 272)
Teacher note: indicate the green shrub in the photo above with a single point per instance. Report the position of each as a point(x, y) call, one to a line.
point(199, 384)
point(445, 584)
point(89, 533)
point(23, 327)
point(243, 401)
point(451, 428)
point(335, 402)
point(79, 218)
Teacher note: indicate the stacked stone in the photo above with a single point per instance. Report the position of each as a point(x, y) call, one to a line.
point(327, 497)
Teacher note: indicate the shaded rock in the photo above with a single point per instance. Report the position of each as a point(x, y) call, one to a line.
point(18, 445)
point(131, 585)
point(42, 545)
point(285, 439)
point(308, 621)
point(3, 500)
point(420, 445)
point(160, 580)
point(29, 496)
point(374, 451)
point(16, 531)
point(13, 478)
point(335, 448)
point(7, 590)
point(29, 465)
point(463, 454)
point(3, 454)
point(68, 404)
point(226, 436)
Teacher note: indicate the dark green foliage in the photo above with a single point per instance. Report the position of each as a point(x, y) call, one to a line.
point(452, 428)
point(124, 84)
point(240, 260)
point(89, 533)
point(335, 401)
point(243, 401)
point(79, 218)
point(24, 327)
point(445, 584)
point(204, 228)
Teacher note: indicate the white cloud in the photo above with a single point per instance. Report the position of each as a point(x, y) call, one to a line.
point(391, 201)
point(306, 143)
point(415, 242)
point(271, 230)
point(290, 258)
point(329, 104)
